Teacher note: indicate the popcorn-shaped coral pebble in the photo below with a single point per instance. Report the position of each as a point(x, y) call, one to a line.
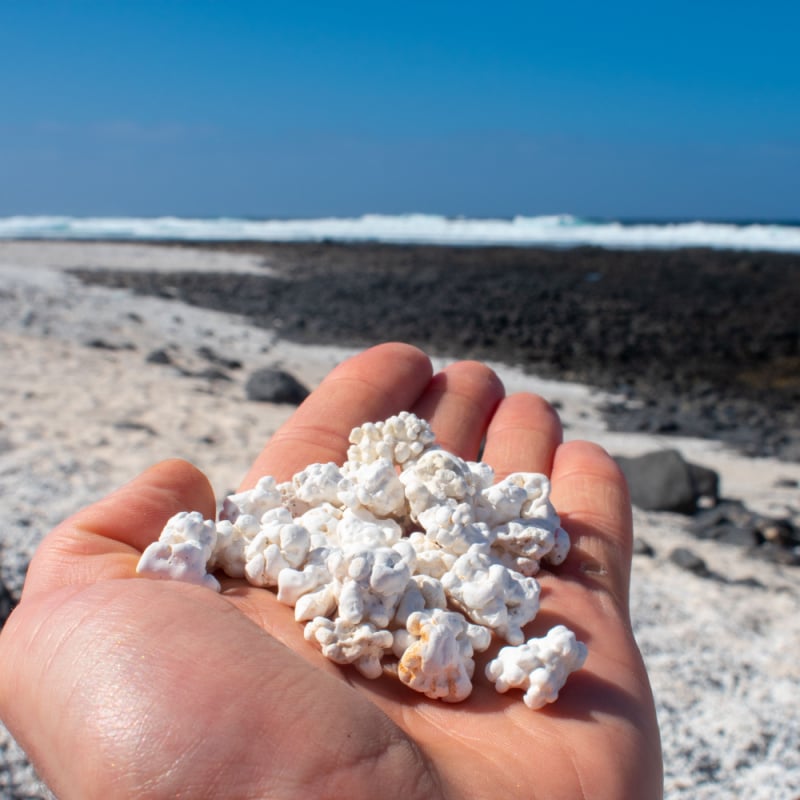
point(540, 667)
point(318, 483)
point(264, 496)
point(482, 475)
point(182, 551)
point(233, 539)
point(368, 583)
point(422, 593)
point(279, 544)
point(452, 526)
point(359, 644)
point(321, 523)
point(294, 584)
point(359, 529)
point(529, 567)
point(407, 553)
point(435, 652)
point(431, 559)
point(375, 487)
point(525, 538)
point(400, 439)
point(319, 603)
point(290, 501)
point(560, 549)
point(491, 594)
point(520, 495)
point(435, 478)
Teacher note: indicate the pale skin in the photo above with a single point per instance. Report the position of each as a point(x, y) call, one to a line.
point(121, 687)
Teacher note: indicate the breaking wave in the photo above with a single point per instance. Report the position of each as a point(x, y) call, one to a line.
point(546, 231)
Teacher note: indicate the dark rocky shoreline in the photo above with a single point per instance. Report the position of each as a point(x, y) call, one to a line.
point(695, 342)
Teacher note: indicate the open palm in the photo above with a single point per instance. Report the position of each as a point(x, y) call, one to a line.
point(118, 686)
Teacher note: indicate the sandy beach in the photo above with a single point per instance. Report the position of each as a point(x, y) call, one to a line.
point(86, 405)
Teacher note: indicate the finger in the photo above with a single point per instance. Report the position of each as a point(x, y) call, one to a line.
point(371, 386)
point(459, 402)
point(590, 593)
point(523, 436)
point(591, 496)
point(106, 539)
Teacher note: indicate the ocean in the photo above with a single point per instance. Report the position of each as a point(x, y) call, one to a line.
point(544, 231)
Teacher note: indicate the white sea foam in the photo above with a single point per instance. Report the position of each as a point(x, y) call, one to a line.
point(550, 231)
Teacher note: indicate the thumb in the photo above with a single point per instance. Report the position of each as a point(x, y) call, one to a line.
point(105, 540)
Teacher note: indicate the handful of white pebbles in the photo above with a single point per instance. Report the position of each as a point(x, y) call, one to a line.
point(405, 560)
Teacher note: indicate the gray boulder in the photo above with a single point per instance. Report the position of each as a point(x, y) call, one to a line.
point(271, 385)
point(665, 481)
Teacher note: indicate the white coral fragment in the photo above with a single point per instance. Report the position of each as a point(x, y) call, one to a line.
point(452, 526)
point(317, 484)
point(264, 496)
point(528, 529)
point(360, 528)
point(321, 522)
point(560, 549)
point(233, 539)
point(182, 551)
point(368, 583)
point(359, 644)
point(280, 544)
point(431, 559)
point(400, 439)
point(525, 538)
point(491, 594)
point(294, 584)
point(375, 487)
point(519, 495)
point(436, 478)
point(422, 593)
point(406, 560)
point(319, 603)
point(436, 650)
point(540, 667)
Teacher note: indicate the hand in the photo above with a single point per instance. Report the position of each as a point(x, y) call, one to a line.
point(119, 686)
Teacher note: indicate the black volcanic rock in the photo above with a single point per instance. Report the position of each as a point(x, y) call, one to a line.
point(687, 559)
point(159, 356)
point(696, 342)
point(271, 385)
point(731, 522)
point(218, 360)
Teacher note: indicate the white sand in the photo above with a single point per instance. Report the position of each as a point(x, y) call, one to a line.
point(77, 421)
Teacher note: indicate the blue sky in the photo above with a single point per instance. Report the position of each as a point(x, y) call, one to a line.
point(321, 108)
